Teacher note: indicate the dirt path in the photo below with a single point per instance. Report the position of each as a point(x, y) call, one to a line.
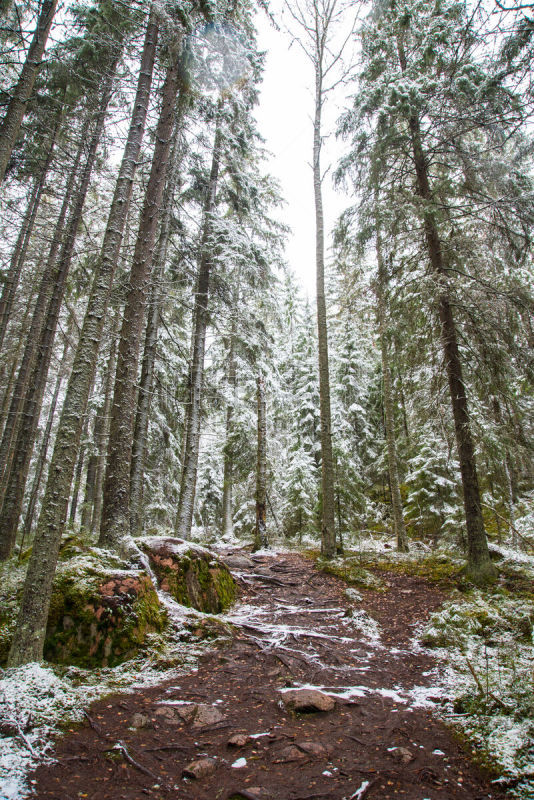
point(292, 629)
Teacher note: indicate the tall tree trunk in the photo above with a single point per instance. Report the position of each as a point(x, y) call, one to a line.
point(116, 504)
point(188, 481)
point(78, 473)
point(46, 288)
point(14, 494)
point(90, 478)
point(328, 526)
point(101, 442)
point(29, 635)
point(19, 251)
point(398, 517)
point(260, 536)
point(231, 383)
point(43, 450)
point(146, 381)
point(19, 336)
point(479, 564)
point(10, 127)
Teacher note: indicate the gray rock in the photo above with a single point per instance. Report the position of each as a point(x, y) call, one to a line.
point(238, 740)
point(403, 755)
point(307, 700)
point(140, 720)
point(237, 561)
point(200, 768)
point(207, 715)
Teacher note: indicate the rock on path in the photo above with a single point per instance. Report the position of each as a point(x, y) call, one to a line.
point(313, 698)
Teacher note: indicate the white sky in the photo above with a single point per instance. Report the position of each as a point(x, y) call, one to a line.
point(285, 121)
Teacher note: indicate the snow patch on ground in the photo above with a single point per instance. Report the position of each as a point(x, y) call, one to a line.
point(54, 695)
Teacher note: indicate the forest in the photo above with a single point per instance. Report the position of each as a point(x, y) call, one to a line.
point(205, 469)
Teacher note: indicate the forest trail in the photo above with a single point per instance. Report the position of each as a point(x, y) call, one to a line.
point(293, 628)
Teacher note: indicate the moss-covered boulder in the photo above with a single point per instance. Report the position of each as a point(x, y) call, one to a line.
point(194, 576)
point(100, 618)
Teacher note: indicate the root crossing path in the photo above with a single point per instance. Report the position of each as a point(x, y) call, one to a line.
point(225, 731)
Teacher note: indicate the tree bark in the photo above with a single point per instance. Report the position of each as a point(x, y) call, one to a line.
point(15, 486)
point(231, 383)
point(260, 535)
point(146, 382)
point(19, 251)
point(46, 288)
point(328, 526)
point(101, 441)
point(479, 564)
point(41, 459)
point(90, 478)
point(398, 517)
point(188, 481)
point(10, 127)
point(29, 635)
point(116, 504)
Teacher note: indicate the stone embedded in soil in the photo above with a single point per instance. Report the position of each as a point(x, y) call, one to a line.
point(201, 768)
point(207, 715)
point(140, 720)
point(315, 748)
point(238, 562)
point(307, 700)
point(402, 754)
point(169, 714)
point(238, 740)
point(289, 754)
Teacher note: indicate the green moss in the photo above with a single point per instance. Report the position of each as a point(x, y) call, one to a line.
point(194, 579)
point(352, 573)
point(226, 588)
point(89, 629)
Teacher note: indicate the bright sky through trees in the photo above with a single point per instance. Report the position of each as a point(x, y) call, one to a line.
point(285, 120)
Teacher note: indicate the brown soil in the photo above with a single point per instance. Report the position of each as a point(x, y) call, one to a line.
point(372, 743)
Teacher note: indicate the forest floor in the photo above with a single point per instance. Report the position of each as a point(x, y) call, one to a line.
point(294, 626)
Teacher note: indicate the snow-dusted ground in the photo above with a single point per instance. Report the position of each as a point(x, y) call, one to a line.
point(503, 661)
point(52, 696)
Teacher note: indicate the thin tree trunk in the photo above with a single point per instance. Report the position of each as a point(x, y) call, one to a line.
point(29, 635)
point(328, 526)
point(231, 383)
point(10, 127)
point(116, 504)
point(46, 288)
point(188, 481)
point(101, 442)
point(398, 517)
point(146, 382)
point(479, 564)
point(78, 473)
point(90, 478)
point(41, 459)
point(19, 251)
point(260, 535)
point(15, 486)
point(19, 336)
